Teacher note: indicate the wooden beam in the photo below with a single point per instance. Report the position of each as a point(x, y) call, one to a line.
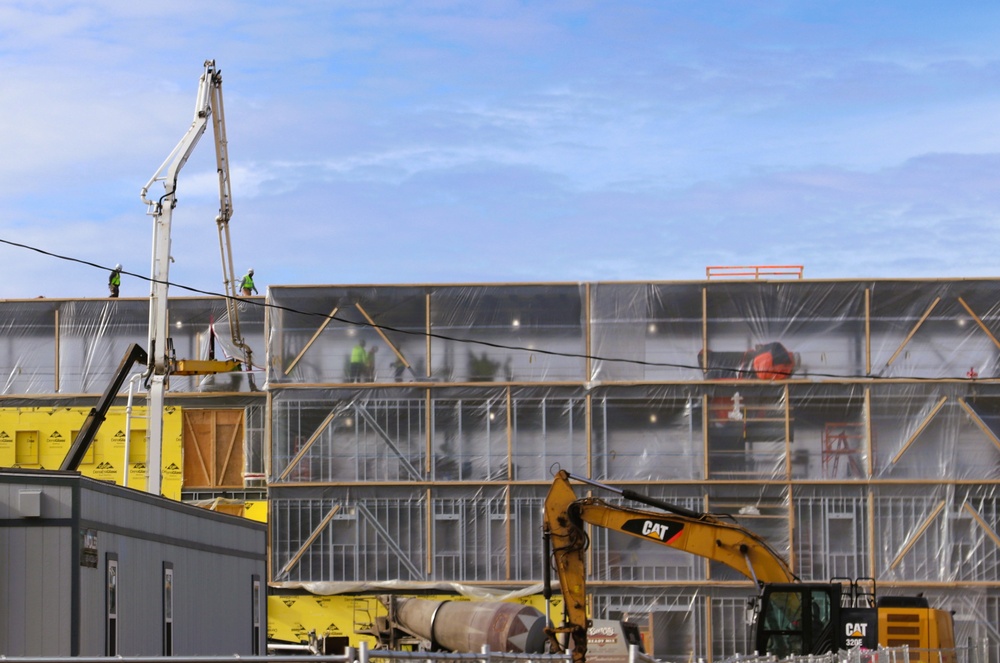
point(979, 322)
point(312, 340)
point(209, 476)
point(976, 419)
point(305, 447)
point(229, 452)
point(868, 331)
point(704, 332)
point(920, 429)
point(913, 331)
point(990, 532)
point(378, 330)
point(290, 564)
point(916, 536)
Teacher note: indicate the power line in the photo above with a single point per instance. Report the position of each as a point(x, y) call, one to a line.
point(737, 372)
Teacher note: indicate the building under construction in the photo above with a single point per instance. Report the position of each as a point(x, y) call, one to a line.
point(853, 424)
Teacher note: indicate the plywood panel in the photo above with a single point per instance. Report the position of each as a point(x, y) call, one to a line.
point(213, 448)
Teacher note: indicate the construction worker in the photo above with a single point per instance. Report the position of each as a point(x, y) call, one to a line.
point(359, 362)
point(247, 283)
point(115, 280)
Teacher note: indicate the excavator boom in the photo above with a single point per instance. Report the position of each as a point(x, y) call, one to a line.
point(696, 533)
point(791, 617)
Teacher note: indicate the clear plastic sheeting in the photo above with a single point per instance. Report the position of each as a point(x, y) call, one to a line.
point(683, 331)
point(647, 433)
point(361, 534)
point(934, 330)
point(409, 433)
point(75, 346)
point(852, 425)
point(439, 333)
point(833, 533)
point(926, 431)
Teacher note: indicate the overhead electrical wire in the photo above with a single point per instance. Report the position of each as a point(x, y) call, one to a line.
point(444, 337)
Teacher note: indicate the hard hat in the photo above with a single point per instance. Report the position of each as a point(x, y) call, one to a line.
point(250, 271)
point(118, 267)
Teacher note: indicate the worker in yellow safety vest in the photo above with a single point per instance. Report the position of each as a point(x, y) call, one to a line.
point(115, 280)
point(246, 285)
point(359, 362)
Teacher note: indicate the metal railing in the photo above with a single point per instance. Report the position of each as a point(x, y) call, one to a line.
point(981, 652)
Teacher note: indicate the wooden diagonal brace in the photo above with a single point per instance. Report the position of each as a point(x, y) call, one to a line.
point(920, 429)
point(308, 542)
point(916, 536)
point(291, 365)
point(913, 331)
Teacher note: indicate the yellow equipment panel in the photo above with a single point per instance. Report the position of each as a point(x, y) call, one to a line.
point(40, 438)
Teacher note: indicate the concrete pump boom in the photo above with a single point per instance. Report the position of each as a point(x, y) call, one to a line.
point(162, 363)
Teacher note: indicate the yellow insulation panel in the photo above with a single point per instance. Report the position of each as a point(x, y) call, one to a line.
point(40, 438)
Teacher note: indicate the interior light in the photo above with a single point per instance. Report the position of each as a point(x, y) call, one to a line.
point(652, 418)
point(515, 323)
point(652, 328)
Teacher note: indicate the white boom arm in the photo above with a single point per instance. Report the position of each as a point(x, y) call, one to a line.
point(161, 359)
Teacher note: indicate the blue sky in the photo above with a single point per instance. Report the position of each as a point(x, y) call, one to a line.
point(494, 141)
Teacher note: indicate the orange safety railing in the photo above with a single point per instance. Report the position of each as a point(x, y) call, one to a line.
point(754, 271)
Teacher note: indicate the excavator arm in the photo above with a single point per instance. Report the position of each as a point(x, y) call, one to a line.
point(701, 534)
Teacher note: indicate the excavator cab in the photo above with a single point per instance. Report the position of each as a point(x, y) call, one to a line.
point(798, 619)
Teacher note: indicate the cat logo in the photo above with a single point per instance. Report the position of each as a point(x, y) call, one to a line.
point(664, 531)
point(856, 630)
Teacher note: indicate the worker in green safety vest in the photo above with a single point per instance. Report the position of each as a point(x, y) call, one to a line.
point(115, 280)
point(246, 285)
point(359, 362)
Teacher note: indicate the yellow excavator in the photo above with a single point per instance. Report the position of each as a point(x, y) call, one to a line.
point(790, 617)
